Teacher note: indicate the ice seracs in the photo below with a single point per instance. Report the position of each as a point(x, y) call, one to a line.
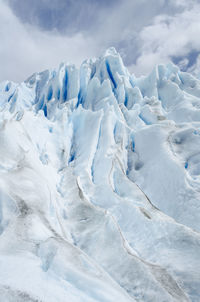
point(100, 184)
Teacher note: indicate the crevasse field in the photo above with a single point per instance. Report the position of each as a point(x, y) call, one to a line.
point(100, 185)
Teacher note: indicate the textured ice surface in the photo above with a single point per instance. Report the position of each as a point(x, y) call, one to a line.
point(100, 185)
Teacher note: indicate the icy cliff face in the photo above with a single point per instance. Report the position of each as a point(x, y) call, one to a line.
point(100, 185)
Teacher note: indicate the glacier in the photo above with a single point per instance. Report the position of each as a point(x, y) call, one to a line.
point(100, 185)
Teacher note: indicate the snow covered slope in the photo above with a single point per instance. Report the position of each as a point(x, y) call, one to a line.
point(100, 185)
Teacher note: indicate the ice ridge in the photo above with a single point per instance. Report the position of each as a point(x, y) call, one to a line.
point(100, 185)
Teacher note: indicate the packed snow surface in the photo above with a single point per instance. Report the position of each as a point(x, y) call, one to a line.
point(100, 185)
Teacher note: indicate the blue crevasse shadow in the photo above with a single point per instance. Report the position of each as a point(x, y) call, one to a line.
point(40, 85)
point(144, 120)
point(93, 72)
point(129, 166)
point(7, 88)
point(80, 98)
point(110, 74)
point(45, 110)
point(72, 157)
point(65, 83)
point(58, 93)
point(131, 82)
point(197, 132)
point(10, 97)
point(133, 146)
point(40, 104)
point(126, 99)
point(50, 93)
point(12, 103)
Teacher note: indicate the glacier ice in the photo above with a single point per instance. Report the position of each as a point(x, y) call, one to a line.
point(100, 185)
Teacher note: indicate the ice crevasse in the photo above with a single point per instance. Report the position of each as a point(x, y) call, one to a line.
point(100, 185)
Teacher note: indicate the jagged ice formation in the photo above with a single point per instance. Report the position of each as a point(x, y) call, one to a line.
point(100, 185)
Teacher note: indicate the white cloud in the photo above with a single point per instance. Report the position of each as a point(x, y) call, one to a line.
point(169, 36)
point(25, 49)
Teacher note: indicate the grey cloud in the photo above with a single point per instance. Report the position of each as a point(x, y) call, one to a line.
point(41, 33)
point(188, 61)
point(66, 16)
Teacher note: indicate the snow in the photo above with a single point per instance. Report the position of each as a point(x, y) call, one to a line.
point(99, 185)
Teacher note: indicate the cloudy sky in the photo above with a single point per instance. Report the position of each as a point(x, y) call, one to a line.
point(39, 34)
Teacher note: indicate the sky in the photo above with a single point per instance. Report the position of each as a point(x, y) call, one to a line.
point(40, 34)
